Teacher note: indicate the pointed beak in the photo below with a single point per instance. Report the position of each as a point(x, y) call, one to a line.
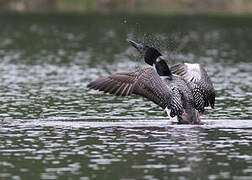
point(141, 48)
point(150, 54)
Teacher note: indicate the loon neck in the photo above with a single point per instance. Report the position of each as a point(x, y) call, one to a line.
point(162, 68)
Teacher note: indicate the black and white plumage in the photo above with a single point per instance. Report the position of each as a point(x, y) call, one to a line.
point(202, 87)
point(144, 82)
point(182, 92)
point(191, 80)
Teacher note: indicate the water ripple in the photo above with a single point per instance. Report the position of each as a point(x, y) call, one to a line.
point(53, 127)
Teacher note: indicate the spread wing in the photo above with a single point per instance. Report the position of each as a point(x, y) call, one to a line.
point(196, 75)
point(144, 82)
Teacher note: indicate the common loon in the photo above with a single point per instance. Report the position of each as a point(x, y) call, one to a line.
point(182, 91)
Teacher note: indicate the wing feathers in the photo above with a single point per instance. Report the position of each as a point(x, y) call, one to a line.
point(144, 82)
point(190, 72)
point(202, 86)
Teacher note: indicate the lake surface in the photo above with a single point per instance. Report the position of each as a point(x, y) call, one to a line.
point(53, 127)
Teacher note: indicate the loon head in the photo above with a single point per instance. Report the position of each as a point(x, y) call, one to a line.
point(153, 57)
point(150, 54)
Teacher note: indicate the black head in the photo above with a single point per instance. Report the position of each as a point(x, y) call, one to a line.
point(150, 54)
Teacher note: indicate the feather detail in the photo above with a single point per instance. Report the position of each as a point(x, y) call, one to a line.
point(143, 82)
point(202, 87)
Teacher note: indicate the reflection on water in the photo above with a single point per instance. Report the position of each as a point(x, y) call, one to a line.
point(52, 126)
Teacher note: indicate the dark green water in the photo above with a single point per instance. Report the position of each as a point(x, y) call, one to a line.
point(53, 127)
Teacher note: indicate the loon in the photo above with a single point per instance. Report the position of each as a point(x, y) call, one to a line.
point(183, 91)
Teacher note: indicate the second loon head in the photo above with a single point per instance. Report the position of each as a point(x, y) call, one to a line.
point(152, 57)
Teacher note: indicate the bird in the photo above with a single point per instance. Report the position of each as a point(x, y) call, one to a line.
point(194, 74)
point(183, 91)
